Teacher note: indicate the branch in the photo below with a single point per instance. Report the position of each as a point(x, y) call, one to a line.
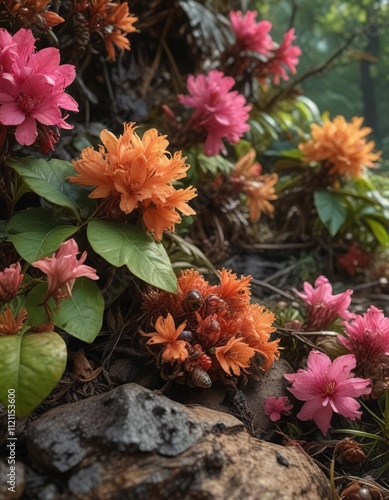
point(314, 71)
point(293, 13)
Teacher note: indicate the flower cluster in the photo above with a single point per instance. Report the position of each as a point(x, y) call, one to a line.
point(253, 36)
point(328, 387)
point(32, 88)
point(137, 173)
point(219, 112)
point(111, 20)
point(324, 307)
point(341, 146)
point(259, 189)
point(207, 332)
point(275, 407)
point(61, 269)
point(32, 12)
point(353, 260)
point(367, 337)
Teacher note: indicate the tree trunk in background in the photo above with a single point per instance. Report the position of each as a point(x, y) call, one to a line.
point(368, 82)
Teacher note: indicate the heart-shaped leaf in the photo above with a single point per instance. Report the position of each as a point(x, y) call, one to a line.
point(49, 180)
point(30, 365)
point(37, 233)
point(81, 315)
point(331, 210)
point(126, 245)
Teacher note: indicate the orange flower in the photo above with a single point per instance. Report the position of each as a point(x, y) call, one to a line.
point(113, 22)
point(259, 189)
point(256, 321)
point(269, 350)
point(27, 12)
point(190, 279)
point(140, 172)
point(234, 356)
point(341, 145)
point(234, 291)
point(259, 194)
point(9, 325)
point(167, 333)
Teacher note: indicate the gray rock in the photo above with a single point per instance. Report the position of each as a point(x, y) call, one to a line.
point(139, 445)
point(129, 418)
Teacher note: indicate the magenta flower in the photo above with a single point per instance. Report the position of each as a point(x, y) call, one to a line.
point(219, 112)
point(250, 34)
point(32, 86)
point(62, 269)
point(328, 387)
point(275, 407)
point(286, 55)
point(323, 307)
point(10, 280)
point(367, 337)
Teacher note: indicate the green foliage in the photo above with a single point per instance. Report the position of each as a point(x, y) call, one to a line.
point(48, 179)
point(330, 210)
point(126, 245)
point(81, 315)
point(37, 233)
point(31, 365)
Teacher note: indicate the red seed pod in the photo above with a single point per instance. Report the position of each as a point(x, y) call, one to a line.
point(349, 450)
point(214, 304)
point(204, 362)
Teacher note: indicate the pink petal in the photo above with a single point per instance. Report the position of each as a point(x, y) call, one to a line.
point(322, 418)
point(11, 114)
point(26, 132)
point(45, 60)
point(67, 72)
point(310, 407)
point(341, 367)
point(345, 406)
point(67, 102)
point(26, 44)
point(47, 113)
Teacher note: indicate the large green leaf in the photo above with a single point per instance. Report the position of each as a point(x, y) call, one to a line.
point(331, 210)
point(49, 180)
point(126, 245)
point(37, 233)
point(31, 365)
point(81, 315)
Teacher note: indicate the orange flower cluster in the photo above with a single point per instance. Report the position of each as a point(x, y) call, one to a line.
point(206, 332)
point(32, 12)
point(138, 173)
point(259, 189)
point(341, 146)
point(10, 324)
point(111, 20)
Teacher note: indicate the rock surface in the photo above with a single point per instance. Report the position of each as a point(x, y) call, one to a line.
point(255, 395)
point(132, 443)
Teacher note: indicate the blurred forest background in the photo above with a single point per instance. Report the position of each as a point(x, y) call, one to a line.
point(356, 83)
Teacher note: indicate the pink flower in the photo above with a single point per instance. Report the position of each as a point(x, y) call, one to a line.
point(367, 337)
point(32, 86)
point(285, 55)
point(62, 269)
point(219, 112)
point(323, 307)
point(328, 387)
point(252, 35)
point(274, 407)
point(10, 280)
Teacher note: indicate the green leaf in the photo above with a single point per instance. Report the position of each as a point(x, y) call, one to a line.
point(37, 233)
point(49, 180)
point(378, 230)
point(31, 365)
point(81, 315)
point(126, 245)
point(330, 209)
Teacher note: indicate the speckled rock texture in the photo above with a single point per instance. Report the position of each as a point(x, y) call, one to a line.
point(131, 443)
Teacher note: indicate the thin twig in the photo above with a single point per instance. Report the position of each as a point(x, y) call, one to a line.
point(273, 288)
point(314, 71)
